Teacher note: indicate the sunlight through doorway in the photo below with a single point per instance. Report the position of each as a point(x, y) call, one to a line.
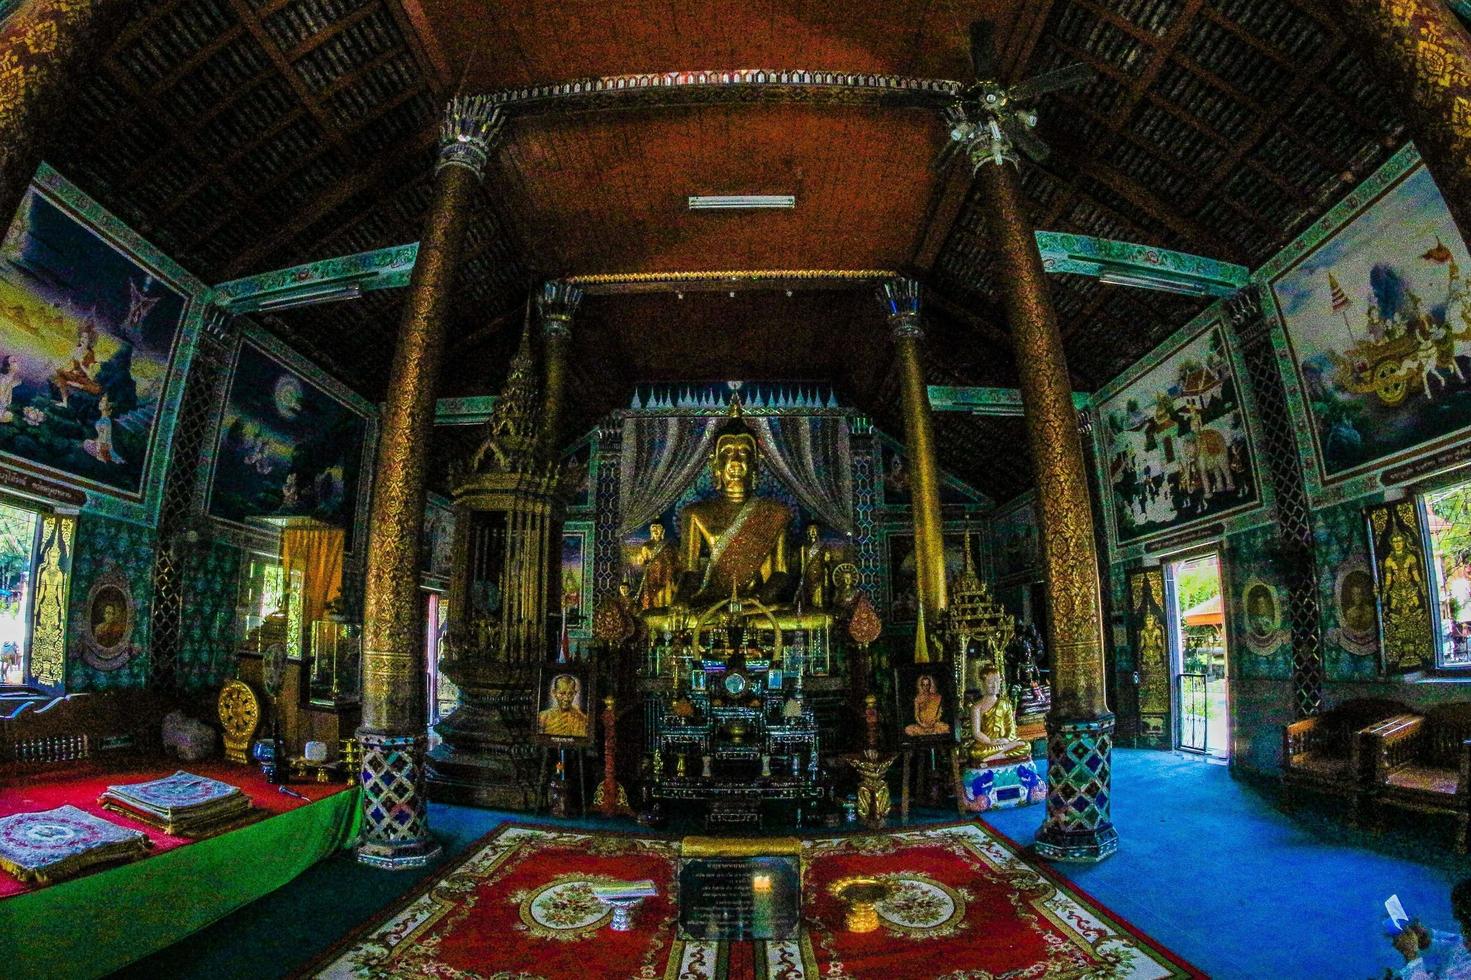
point(1198, 656)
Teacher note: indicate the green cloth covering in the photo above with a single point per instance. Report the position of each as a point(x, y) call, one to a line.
point(96, 924)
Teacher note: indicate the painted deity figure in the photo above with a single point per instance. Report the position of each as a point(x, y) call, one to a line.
point(736, 542)
point(79, 373)
point(660, 563)
point(565, 719)
point(9, 379)
point(815, 561)
point(1404, 583)
point(993, 724)
point(101, 447)
point(929, 709)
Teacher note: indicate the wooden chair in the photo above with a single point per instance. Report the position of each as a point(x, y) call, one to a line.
point(1423, 763)
point(1324, 754)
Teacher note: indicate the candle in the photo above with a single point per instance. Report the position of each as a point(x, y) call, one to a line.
point(761, 906)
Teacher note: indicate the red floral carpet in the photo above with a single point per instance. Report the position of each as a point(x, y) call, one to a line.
point(966, 906)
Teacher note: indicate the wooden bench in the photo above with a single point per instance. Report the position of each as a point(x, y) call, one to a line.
point(1423, 763)
point(1324, 754)
point(39, 735)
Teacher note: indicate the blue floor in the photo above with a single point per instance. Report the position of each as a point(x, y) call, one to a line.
point(1206, 865)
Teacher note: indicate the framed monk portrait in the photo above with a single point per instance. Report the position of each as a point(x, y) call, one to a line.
point(565, 705)
point(924, 696)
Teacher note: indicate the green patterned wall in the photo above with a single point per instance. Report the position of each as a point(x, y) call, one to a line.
point(102, 544)
point(1250, 563)
point(207, 637)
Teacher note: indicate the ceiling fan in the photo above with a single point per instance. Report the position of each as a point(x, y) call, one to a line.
point(989, 121)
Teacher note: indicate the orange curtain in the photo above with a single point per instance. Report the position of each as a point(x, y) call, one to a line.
point(317, 553)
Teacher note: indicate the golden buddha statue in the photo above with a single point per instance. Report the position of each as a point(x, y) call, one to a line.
point(993, 724)
point(735, 543)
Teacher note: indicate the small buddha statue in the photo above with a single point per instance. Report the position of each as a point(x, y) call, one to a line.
point(993, 724)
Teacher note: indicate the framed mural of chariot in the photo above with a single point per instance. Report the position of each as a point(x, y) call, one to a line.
point(1375, 316)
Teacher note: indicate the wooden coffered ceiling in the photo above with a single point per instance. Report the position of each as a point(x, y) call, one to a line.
point(246, 135)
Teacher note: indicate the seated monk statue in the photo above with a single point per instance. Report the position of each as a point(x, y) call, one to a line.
point(735, 543)
point(993, 724)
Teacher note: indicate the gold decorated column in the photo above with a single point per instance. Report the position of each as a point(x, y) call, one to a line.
point(394, 729)
point(557, 303)
point(1421, 53)
point(901, 299)
point(45, 47)
point(1078, 826)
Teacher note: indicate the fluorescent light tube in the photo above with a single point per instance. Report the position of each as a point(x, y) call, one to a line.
point(1141, 281)
point(738, 202)
point(307, 297)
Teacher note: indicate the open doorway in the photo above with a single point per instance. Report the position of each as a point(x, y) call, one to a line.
point(1198, 656)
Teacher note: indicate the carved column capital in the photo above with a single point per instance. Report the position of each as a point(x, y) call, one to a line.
point(557, 303)
point(901, 299)
point(469, 127)
point(1244, 311)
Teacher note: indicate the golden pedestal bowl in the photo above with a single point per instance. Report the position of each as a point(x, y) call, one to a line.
point(862, 893)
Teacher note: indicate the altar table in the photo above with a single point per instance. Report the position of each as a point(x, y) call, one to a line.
point(98, 922)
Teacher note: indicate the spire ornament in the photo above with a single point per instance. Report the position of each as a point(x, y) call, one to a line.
point(469, 127)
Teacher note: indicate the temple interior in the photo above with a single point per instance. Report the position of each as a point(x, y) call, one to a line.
point(976, 488)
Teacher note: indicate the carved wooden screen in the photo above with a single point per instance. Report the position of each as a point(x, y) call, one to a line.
point(1402, 585)
point(1148, 628)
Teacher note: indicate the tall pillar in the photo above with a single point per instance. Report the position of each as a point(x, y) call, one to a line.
point(394, 729)
point(45, 46)
point(1422, 53)
point(901, 298)
point(1078, 826)
point(557, 302)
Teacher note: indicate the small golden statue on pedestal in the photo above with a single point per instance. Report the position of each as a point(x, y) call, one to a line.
point(993, 724)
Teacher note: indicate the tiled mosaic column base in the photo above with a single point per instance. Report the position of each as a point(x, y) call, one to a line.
point(395, 817)
point(1079, 790)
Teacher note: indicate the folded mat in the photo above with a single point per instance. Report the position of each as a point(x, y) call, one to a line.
point(183, 803)
point(55, 844)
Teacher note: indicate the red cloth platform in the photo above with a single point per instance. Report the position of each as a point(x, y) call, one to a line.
point(82, 786)
point(964, 902)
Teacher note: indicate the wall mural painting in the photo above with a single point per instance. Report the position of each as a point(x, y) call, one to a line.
point(897, 489)
point(437, 542)
point(1177, 443)
point(87, 336)
point(1147, 622)
point(577, 477)
point(1017, 540)
point(1378, 321)
point(287, 448)
point(904, 576)
point(1265, 630)
point(1406, 626)
point(576, 597)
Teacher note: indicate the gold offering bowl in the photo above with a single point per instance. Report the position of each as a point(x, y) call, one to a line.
point(862, 893)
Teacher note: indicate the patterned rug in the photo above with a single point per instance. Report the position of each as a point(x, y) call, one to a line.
point(966, 906)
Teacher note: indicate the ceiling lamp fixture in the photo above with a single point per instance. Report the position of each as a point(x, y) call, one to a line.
point(741, 202)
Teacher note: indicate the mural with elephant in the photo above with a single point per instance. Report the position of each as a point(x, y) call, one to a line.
point(1177, 445)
